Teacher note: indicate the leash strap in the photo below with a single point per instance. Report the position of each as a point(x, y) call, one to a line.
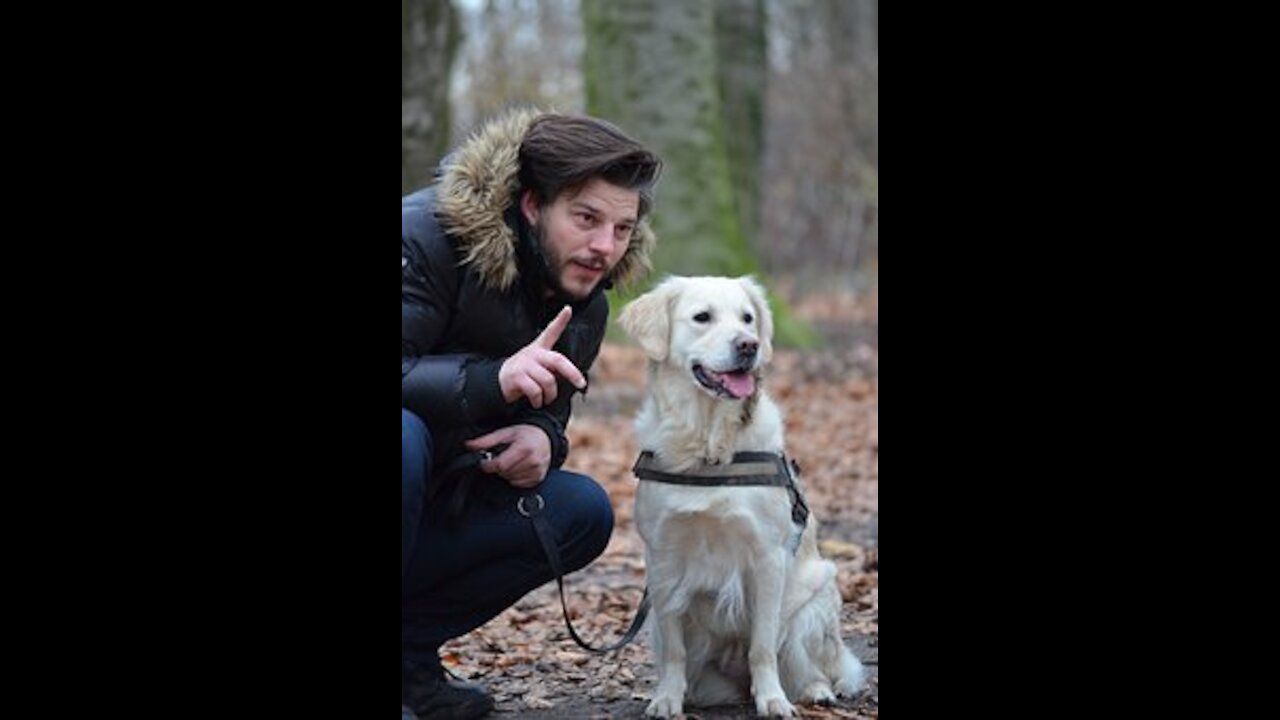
point(458, 476)
point(532, 506)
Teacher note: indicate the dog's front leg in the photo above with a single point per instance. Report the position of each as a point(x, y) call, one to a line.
point(668, 698)
point(766, 625)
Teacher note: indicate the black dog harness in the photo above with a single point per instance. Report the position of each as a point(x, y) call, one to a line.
point(746, 469)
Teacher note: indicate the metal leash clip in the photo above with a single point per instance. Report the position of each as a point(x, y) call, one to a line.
point(490, 453)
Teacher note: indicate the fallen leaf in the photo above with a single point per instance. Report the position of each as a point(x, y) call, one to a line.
point(839, 549)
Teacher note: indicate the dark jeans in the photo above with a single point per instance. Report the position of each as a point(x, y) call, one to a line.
point(458, 576)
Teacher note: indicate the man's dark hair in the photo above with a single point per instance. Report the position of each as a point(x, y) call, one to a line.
point(563, 153)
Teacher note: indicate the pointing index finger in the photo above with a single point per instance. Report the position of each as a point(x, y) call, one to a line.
point(548, 337)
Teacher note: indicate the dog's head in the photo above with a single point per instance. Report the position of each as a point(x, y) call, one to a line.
point(719, 330)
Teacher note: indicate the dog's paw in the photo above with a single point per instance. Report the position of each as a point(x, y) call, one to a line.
point(818, 693)
point(774, 706)
point(665, 706)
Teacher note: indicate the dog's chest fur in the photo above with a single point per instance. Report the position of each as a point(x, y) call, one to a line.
point(701, 542)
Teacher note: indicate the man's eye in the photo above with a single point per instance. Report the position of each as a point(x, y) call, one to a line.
point(702, 317)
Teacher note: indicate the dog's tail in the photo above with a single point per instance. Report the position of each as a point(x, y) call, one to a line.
point(852, 678)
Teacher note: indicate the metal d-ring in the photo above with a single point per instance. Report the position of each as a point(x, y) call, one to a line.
point(525, 512)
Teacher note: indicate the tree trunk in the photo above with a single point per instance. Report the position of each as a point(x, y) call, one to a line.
point(429, 37)
point(651, 68)
point(742, 73)
point(821, 153)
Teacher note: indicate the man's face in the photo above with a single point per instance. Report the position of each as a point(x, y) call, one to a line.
point(585, 234)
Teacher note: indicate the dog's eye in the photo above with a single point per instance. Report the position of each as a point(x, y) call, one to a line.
point(746, 318)
point(702, 317)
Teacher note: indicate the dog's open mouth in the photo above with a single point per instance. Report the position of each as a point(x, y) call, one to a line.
point(736, 384)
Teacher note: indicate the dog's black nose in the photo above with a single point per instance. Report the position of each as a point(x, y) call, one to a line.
point(746, 348)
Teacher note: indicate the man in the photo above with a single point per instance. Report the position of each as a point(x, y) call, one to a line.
point(505, 260)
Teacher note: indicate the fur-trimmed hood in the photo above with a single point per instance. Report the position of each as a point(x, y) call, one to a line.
point(478, 183)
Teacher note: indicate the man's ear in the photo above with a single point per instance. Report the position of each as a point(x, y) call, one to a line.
point(529, 206)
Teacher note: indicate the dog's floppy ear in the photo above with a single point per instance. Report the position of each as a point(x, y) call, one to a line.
point(761, 301)
point(647, 319)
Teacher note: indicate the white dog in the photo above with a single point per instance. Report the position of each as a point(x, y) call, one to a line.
point(740, 603)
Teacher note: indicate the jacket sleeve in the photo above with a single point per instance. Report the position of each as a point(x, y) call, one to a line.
point(451, 390)
point(554, 428)
point(582, 349)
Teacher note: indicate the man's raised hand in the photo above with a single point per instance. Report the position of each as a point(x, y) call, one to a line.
point(531, 372)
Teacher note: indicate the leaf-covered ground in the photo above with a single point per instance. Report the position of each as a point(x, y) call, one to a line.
point(829, 399)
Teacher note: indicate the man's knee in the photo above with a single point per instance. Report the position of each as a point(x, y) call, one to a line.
point(591, 525)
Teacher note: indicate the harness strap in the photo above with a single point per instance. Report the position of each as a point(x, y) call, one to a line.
point(746, 469)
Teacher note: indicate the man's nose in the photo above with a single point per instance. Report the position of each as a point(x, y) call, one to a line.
point(601, 241)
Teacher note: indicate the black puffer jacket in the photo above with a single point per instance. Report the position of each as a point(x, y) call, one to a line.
point(471, 296)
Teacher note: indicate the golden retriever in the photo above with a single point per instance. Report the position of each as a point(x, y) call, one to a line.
point(743, 604)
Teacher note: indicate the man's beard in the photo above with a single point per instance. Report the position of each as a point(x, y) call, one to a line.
point(553, 265)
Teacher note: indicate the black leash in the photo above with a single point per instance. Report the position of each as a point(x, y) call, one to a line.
point(458, 476)
point(531, 506)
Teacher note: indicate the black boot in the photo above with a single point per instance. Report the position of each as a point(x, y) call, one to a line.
point(434, 695)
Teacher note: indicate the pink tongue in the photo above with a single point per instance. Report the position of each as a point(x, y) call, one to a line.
point(739, 384)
